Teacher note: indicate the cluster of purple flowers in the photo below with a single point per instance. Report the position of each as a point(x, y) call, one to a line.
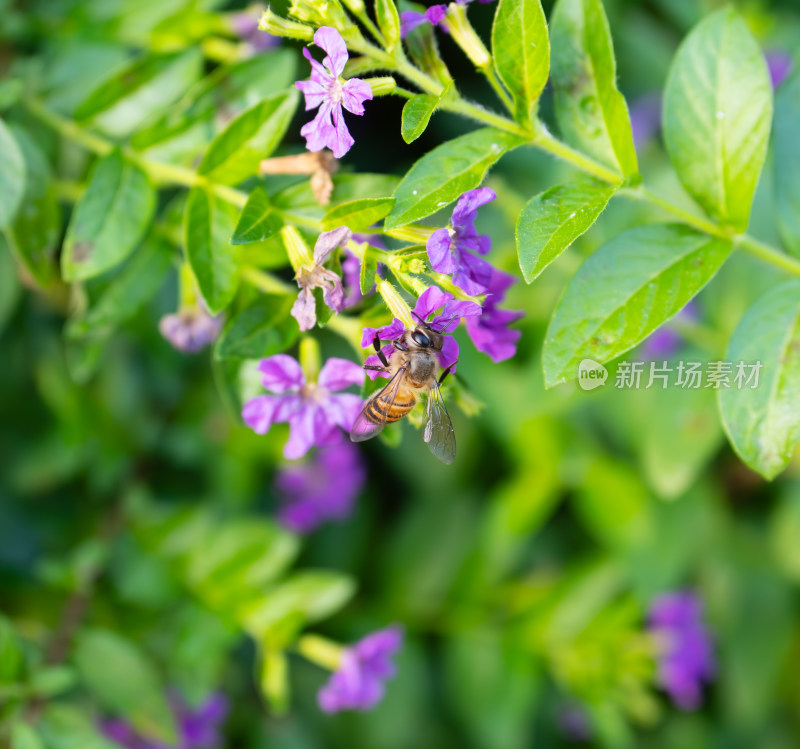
point(321, 490)
point(197, 728)
point(412, 19)
point(358, 683)
point(686, 660)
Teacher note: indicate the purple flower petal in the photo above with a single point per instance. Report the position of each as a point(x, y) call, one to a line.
point(374, 361)
point(354, 93)
point(329, 241)
point(473, 275)
point(430, 300)
point(304, 310)
point(338, 374)
point(343, 409)
point(410, 20)
point(449, 353)
point(436, 13)
point(313, 91)
point(301, 432)
point(259, 413)
point(439, 254)
point(341, 141)
point(468, 204)
point(281, 373)
point(389, 332)
point(331, 41)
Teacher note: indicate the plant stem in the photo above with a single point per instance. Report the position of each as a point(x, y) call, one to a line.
point(495, 83)
point(266, 282)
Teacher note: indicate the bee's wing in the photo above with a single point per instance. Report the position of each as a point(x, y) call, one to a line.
point(363, 427)
point(439, 433)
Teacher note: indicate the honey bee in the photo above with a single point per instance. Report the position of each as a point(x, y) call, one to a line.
point(412, 367)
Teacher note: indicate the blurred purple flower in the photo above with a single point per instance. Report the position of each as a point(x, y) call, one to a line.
point(358, 683)
point(489, 331)
point(322, 489)
point(351, 270)
point(664, 341)
point(191, 329)
point(574, 722)
point(304, 310)
point(411, 19)
point(197, 728)
point(330, 92)
point(645, 118)
point(314, 410)
point(244, 25)
point(779, 64)
point(450, 249)
point(687, 659)
point(432, 299)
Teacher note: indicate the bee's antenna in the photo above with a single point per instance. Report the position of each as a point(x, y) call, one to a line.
point(446, 328)
point(421, 321)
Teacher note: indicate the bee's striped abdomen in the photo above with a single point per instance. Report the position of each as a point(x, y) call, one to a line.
point(379, 408)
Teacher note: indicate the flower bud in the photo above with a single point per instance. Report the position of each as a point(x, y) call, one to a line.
point(278, 26)
point(396, 304)
point(296, 249)
point(319, 13)
point(465, 36)
point(382, 86)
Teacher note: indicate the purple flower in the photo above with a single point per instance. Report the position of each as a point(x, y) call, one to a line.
point(358, 684)
point(304, 310)
point(197, 728)
point(330, 92)
point(411, 19)
point(574, 722)
point(351, 270)
point(779, 64)
point(645, 118)
point(665, 341)
point(687, 659)
point(323, 489)
point(245, 26)
point(191, 329)
point(430, 300)
point(489, 331)
point(449, 249)
point(313, 411)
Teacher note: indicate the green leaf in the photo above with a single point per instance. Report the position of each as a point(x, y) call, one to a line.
point(369, 268)
point(440, 176)
point(122, 103)
point(10, 287)
point(12, 176)
point(388, 21)
point(763, 423)
point(417, 113)
point(717, 113)
point(122, 679)
point(237, 151)
point(135, 285)
point(36, 231)
point(23, 736)
point(358, 215)
point(787, 161)
point(11, 657)
point(624, 291)
point(65, 727)
point(109, 219)
point(208, 226)
point(552, 220)
point(591, 111)
point(262, 329)
point(306, 597)
point(521, 51)
point(258, 219)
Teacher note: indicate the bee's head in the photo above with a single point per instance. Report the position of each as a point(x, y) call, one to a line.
point(425, 337)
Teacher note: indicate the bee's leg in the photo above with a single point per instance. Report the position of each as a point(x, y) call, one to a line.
point(376, 344)
point(446, 372)
point(399, 345)
point(373, 368)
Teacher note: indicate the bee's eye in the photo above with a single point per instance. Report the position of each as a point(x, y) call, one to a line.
point(420, 338)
